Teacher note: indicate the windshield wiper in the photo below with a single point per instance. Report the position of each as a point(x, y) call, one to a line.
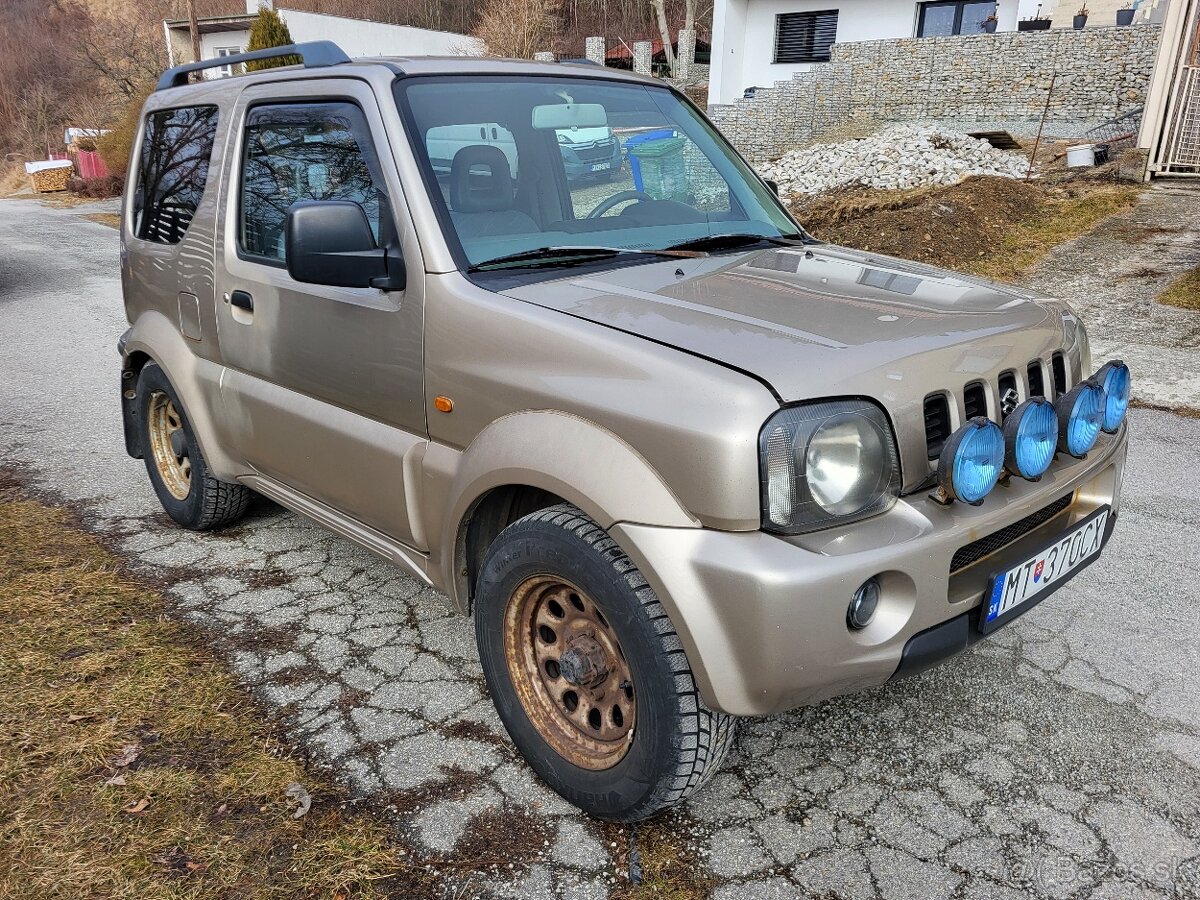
point(733, 241)
point(571, 255)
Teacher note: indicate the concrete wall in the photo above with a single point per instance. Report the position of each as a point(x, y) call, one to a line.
point(980, 82)
point(362, 38)
point(744, 35)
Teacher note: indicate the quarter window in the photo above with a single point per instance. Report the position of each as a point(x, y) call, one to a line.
point(294, 152)
point(805, 37)
point(172, 171)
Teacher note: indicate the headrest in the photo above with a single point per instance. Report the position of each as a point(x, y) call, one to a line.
point(480, 180)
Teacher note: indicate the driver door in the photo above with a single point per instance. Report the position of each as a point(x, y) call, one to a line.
point(324, 386)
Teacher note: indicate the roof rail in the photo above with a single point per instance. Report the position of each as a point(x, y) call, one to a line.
point(314, 55)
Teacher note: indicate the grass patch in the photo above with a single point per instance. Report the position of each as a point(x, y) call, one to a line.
point(1050, 224)
point(112, 220)
point(131, 764)
point(1184, 291)
point(668, 867)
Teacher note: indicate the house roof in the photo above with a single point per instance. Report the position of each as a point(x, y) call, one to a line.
point(624, 50)
point(214, 24)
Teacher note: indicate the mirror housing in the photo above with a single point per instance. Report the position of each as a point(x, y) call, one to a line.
point(330, 242)
point(774, 186)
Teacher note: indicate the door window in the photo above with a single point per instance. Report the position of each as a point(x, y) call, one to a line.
point(311, 151)
point(172, 171)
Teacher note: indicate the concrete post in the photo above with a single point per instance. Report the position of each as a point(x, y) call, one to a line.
point(643, 56)
point(686, 55)
point(544, 56)
point(594, 49)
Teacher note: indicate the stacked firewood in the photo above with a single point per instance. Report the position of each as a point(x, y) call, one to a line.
point(50, 178)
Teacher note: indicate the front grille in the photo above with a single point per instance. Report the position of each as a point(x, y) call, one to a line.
point(975, 400)
point(1058, 363)
point(1008, 393)
point(998, 540)
point(1037, 384)
point(597, 152)
point(937, 423)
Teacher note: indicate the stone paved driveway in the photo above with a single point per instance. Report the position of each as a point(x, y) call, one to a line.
point(1060, 759)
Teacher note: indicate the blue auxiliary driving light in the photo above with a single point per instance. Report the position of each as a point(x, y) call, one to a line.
point(1080, 415)
point(1030, 438)
point(971, 461)
point(1113, 377)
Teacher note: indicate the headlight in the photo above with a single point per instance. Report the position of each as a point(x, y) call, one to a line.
point(825, 463)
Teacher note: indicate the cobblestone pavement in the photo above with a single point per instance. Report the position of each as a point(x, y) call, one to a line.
point(1059, 759)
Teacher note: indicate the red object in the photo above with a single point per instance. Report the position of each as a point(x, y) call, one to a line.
point(90, 164)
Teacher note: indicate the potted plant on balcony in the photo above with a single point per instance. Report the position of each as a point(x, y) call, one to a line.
point(990, 23)
point(1080, 18)
point(1125, 14)
point(1035, 22)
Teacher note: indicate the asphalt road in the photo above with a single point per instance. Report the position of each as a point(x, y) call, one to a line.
point(1060, 759)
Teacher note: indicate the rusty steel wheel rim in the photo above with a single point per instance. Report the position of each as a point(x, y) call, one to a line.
point(569, 671)
point(168, 446)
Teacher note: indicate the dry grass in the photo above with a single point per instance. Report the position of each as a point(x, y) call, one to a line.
point(995, 227)
point(1184, 291)
point(112, 220)
point(96, 684)
point(13, 180)
point(669, 870)
point(1048, 225)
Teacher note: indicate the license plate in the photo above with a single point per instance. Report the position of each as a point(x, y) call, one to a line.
point(600, 167)
point(1014, 591)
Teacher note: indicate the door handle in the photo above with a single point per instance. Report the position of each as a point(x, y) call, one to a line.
point(242, 300)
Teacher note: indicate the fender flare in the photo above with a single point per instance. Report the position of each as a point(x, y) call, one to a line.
point(196, 380)
point(569, 456)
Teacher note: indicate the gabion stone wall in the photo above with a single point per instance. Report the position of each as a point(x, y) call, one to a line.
point(970, 83)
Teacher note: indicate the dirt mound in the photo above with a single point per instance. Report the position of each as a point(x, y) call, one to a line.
point(990, 225)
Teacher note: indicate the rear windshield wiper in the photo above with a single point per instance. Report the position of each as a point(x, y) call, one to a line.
point(733, 241)
point(571, 255)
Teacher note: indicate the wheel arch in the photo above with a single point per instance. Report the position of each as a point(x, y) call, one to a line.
point(155, 338)
point(531, 460)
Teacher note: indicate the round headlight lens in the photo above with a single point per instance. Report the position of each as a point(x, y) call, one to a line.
point(1114, 378)
point(845, 461)
point(971, 460)
point(1030, 438)
point(1080, 415)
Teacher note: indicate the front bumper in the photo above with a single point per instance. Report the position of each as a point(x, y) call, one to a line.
point(763, 618)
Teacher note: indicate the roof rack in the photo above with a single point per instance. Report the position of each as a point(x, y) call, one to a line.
point(313, 54)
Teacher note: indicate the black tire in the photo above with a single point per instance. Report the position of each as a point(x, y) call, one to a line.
point(678, 742)
point(209, 503)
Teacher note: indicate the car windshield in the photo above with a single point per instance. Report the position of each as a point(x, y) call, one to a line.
point(522, 167)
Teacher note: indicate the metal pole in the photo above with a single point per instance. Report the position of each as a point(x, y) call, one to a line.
point(1041, 124)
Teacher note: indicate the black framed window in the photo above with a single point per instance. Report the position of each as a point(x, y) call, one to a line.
point(805, 37)
point(172, 171)
point(947, 17)
point(304, 151)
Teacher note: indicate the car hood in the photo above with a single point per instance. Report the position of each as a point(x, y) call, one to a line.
point(824, 321)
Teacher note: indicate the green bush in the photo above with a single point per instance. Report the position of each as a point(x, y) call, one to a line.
point(267, 31)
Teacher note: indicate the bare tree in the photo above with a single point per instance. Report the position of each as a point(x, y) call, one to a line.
point(518, 28)
point(664, 30)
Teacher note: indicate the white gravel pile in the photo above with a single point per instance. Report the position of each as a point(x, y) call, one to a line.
point(898, 156)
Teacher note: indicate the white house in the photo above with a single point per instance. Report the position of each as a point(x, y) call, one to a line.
point(759, 42)
point(228, 35)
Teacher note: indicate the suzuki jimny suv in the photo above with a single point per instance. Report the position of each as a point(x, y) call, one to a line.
point(679, 461)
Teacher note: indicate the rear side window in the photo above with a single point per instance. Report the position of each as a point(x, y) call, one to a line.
point(172, 171)
point(308, 151)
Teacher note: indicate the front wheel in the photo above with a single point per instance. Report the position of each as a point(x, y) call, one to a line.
point(587, 672)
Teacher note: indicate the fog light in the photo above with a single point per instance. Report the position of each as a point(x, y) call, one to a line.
point(1030, 438)
point(971, 461)
point(1114, 378)
point(1080, 415)
point(863, 606)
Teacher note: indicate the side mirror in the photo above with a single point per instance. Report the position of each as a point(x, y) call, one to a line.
point(330, 242)
point(773, 186)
